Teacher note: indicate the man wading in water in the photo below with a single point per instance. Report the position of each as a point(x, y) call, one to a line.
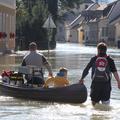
point(102, 66)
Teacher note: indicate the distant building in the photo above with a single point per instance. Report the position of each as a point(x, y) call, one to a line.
point(76, 27)
point(7, 25)
point(92, 25)
point(63, 30)
point(114, 19)
point(97, 26)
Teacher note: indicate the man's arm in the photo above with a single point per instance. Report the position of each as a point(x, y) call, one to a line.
point(114, 71)
point(47, 65)
point(86, 71)
point(23, 63)
point(117, 78)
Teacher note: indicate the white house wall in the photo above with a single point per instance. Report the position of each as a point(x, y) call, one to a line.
point(91, 33)
point(102, 23)
point(117, 36)
point(7, 23)
point(110, 38)
point(73, 36)
point(114, 19)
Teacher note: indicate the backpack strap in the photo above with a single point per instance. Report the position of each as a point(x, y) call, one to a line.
point(102, 56)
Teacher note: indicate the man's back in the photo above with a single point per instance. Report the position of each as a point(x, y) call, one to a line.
point(34, 58)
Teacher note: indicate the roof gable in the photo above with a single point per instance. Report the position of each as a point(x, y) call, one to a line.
point(80, 18)
point(99, 13)
point(115, 14)
point(107, 11)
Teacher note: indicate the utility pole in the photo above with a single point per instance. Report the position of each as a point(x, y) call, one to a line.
point(49, 24)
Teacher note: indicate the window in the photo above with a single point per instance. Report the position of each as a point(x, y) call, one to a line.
point(104, 31)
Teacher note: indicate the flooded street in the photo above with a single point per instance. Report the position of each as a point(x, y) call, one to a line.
point(74, 57)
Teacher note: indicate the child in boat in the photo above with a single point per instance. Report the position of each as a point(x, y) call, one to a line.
point(59, 80)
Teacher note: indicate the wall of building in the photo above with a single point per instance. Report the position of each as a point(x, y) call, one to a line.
point(91, 33)
point(73, 37)
point(117, 35)
point(7, 25)
point(102, 24)
point(110, 36)
point(81, 34)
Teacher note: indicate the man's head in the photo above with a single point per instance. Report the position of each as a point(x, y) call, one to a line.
point(102, 48)
point(32, 46)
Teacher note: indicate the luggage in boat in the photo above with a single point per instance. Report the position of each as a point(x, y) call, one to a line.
point(12, 77)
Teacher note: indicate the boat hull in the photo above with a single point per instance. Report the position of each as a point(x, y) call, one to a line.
point(75, 93)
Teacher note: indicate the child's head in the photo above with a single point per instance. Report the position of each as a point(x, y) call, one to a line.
point(63, 71)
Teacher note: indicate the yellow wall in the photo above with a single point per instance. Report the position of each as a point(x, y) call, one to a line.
point(80, 36)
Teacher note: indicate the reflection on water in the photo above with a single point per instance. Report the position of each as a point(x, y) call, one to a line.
point(74, 57)
point(6, 62)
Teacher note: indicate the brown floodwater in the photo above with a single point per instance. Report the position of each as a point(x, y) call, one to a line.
point(74, 57)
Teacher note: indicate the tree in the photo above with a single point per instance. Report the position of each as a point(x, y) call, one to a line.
point(31, 15)
point(22, 17)
point(37, 32)
point(53, 8)
point(32, 23)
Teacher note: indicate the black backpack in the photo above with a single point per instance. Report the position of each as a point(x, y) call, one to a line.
point(101, 69)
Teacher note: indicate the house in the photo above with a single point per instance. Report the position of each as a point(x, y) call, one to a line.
point(95, 26)
point(7, 25)
point(63, 30)
point(106, 30)
point(76, 27)
point(114, 19)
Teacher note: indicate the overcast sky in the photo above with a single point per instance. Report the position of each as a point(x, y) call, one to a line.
point(111, 0)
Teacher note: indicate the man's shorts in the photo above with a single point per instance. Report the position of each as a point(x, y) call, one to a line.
point(100, 91)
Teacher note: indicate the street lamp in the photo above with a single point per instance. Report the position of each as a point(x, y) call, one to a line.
point(49, 24)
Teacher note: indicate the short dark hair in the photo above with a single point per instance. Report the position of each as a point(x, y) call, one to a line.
point(102, 47)
point(32, 45)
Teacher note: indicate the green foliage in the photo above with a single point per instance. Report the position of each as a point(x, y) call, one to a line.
point(31, 16)
point(53, 8)
point(39, 13)
point(21, 13)
point(38, 33)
